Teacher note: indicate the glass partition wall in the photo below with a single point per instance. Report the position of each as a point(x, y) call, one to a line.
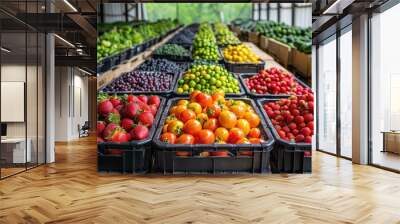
point(22, 76)
point(334, 94)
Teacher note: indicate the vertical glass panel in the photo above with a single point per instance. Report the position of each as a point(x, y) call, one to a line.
point(286, 13)
point(303, 15)
point(385, 84)
point(41, 99)
point(346, 94)
point(327, 96)
point(264, 12)
point(255, 11)
point(273, 11)
point(13, 86)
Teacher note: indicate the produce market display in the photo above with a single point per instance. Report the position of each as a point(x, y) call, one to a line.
point(163, 65)
point(240, 54)
point(208, 78)
point(295, 37)
point(208, 119)
point(207, 127)
point(292, 118)
point(123, 36)
point(172, 50)
point(205, 45)
point(275, 81)
point(141, 81)
point(125, 118)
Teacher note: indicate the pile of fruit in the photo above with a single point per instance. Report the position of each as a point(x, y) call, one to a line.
point(224, 35)
point(141, 81)
point(172, 50)
point(240, 54)
point(293, 117)
point(208, 78)
point(275, 81)
point(184, 37)
point(205, 45)
point(209, 119)
point(163, 65)
point(126, 118)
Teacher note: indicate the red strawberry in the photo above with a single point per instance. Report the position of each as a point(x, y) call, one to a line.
point(308, 117)
point(127, 124)
point(104, 107)
point(299, 138)
point(143, 98)
point(118, 135)
point(101, 125)
point(99, 139)
point(109, 129)
point(115, 100)
point(154, 100)
point(306, 131)
point(146, 118)
point(131, 98)
point(143, 106)
point(131, 110)
point(153, 109)
point(308, 139)
point(139, 132)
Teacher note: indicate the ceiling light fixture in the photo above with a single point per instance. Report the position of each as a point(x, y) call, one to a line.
point(86, 72)
point(5, 49)
point(64, 40)
point(70, 5)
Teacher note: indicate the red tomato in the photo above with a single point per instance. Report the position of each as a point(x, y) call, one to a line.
point(168, 137)
point(204, 100)
point(205, 137)
point(235, 134)
point(185, 139)
point(211, 124)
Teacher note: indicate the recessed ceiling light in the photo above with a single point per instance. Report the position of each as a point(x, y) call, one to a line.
point(5, 49)
point(64, 40)
point(70, 5)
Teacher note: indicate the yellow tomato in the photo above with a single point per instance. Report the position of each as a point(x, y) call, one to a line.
point(244, 125)
point(195, 107)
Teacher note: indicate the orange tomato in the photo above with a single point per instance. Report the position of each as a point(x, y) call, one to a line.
point(165, 128)
point(204, 99)
point(227, 119)
point(254, 133)
point(179, 109)
point(183, 102)
point(195, 107)
point(243, 141)
point(172, 109)
point(239, 110)
point(168, 137)
point(192, 126)
point(202, 117)
point(244, 126)
point(193, 95)
point(235, 134)
point(255, 140)
point(170, 118)
point(213, 111)
point(175, 127)
point(186, 115)
point(205, 137)
point(218, 98)
point(252, 118)
point(211, 124)
point(221, 134)
point(185, 139)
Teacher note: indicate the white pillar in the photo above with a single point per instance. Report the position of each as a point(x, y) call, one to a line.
point(360, 90)
point(50, 99)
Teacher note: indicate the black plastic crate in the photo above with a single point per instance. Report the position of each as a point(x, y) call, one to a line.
point(242, 92)
point(133, 156)
point(243, 67)
point(173, 57)
point(257, 95)
point(126, 54)
point(103, 65)
point(286, 156)
point(160, 93)
point(167, 161)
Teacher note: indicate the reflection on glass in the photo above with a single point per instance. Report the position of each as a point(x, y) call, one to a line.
point(385, 84)
point(327, 96)
point(346, 94)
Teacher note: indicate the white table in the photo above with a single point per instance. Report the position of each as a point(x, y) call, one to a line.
point(18, 148)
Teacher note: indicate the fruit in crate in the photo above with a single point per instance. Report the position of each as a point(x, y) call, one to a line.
point(275, 81)
point(141, 81)
point(240, 54)
point(211, 119)
point(172, 50)
point(162, 65)
point(293, 117)
point(126, 118)
point(208, 78)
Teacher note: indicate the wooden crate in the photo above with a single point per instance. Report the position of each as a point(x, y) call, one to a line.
point(254, 37)
point(301, 62)
point(280, 51)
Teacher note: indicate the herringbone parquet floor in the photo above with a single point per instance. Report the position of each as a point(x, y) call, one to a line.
point(71, 191)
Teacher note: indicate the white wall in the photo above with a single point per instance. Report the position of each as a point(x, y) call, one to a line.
point(70, 83)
